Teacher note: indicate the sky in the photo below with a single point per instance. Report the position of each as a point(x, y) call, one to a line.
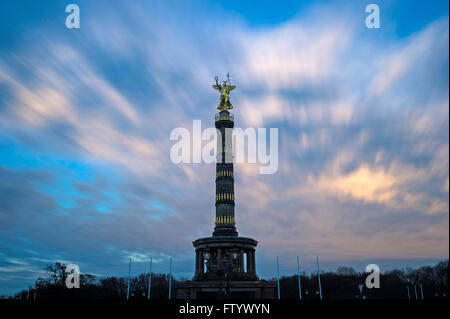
point(86, 115)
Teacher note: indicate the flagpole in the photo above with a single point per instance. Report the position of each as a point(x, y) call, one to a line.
point(129, 275)
point(318, 273)
point(278, 278)
point(170, 278)
point(299, 283)
point(150, 278)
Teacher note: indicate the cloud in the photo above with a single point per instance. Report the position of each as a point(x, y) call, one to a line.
point(363, 183)
point(292, 55)
point(399, 63)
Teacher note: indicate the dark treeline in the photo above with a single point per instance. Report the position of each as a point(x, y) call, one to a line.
point(345, 282)
point(54, 286)
point(342, 284)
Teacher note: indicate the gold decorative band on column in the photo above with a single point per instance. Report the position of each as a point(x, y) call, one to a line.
point(220, 220)
point(224, 174)
point(224, 196)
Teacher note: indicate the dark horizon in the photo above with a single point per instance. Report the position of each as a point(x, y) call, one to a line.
point(309, 268)
point(339, 284)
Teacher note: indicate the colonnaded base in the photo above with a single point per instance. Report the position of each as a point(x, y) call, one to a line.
point(259, 289)
point(225, 268)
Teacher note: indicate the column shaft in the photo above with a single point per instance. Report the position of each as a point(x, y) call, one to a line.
point(249, 261)
point(241, 261)
point(196, 262)
point(253, 261)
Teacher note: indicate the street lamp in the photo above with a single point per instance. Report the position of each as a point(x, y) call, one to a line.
point(235, 253)
point(206, 253)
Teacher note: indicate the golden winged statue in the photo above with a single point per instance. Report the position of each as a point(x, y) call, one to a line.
point(225, 90)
